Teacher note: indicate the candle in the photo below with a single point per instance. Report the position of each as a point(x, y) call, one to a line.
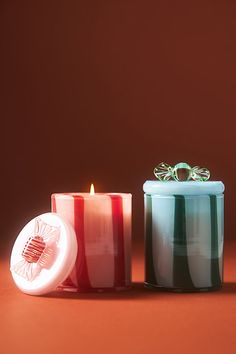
point(102, 223)
point(184, 227)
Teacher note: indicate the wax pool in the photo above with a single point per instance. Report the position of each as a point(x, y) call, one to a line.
point(184, 235)
point(102, 223)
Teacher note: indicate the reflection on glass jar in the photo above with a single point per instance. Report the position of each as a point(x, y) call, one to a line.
point(184, 226)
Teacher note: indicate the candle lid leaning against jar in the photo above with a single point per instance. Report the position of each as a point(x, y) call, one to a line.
point(43, 254)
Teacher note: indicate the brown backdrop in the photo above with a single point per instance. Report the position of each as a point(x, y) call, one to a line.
point(102, 91)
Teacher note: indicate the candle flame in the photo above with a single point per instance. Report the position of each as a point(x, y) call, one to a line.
point(92, 190)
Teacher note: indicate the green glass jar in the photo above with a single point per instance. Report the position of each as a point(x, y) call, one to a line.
point(184, 235)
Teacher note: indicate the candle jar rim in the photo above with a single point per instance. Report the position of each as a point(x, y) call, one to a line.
point(90, 196)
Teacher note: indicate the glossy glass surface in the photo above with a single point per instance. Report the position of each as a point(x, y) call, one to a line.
point(102, 223)
point(184, 241)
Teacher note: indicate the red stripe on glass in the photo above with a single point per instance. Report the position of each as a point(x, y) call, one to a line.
point(81, 262)
point(53, 204)
point(68, 282)
point(118, 239)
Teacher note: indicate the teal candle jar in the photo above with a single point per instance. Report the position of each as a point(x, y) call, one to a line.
point(184, 235)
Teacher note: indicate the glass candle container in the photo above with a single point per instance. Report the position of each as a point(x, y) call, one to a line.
point(102, 223)
point(184, 231)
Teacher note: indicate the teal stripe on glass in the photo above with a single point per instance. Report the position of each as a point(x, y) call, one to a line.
point(198, 229)
point(162, 239)
point(149, 267)
point(181, 276)
point(220, 223)
point(215, 273)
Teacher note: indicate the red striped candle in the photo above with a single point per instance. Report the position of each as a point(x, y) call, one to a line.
point(102, 223)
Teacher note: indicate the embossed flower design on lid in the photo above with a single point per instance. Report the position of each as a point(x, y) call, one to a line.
point(44, 254)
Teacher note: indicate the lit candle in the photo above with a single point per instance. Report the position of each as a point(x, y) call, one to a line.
point(102, 222)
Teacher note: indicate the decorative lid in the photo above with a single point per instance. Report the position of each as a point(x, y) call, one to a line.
point(44, 254)
point(184, 188)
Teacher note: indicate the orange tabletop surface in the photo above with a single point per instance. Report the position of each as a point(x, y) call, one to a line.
point(136, 321)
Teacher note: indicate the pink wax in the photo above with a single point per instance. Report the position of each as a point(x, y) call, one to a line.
point(102, 223)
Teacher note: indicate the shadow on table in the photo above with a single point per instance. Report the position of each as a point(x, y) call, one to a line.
point(138, 291)
point(228, 288)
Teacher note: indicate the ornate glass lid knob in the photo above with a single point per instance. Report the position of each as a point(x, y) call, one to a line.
point(181, 172)
point(163, 171)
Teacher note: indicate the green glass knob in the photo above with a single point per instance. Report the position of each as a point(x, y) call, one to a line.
point(182, 172)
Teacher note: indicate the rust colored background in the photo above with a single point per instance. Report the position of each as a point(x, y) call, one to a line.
point(102, 91)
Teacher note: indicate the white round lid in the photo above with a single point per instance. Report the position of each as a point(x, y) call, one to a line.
point(185, 188)
point(43, 254)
